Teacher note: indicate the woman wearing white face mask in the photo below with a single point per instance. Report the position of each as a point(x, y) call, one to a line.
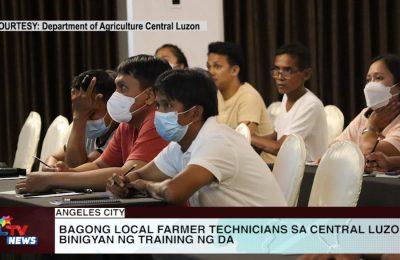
point(92, 127)
point(377, 127)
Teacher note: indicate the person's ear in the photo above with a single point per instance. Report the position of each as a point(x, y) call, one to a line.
point(198, 113)
point(151, 97)
point(98, 97)
point(235, 70)
point(99, 100)
point(307, 73)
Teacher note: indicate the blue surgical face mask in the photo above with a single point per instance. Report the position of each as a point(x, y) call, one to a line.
point(96, 128)
point(167, 126)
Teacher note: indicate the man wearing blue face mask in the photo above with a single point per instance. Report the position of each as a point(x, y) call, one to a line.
point(92, 127)
point(134, 143)
point(207, 163)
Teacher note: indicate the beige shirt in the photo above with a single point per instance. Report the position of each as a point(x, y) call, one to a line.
point(246, 105)
point(353, 131)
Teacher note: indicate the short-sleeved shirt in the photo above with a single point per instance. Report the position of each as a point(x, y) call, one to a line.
point(307, 119)
point(353, 131)
point(91, 144)
point(131, 143)
point(246, 105)
point(242, 178)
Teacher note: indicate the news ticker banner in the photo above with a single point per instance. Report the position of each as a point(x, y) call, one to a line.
point(100, 26)
point(112, 230)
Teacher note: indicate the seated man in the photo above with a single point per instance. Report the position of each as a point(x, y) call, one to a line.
point(206, 162)
point(92, 127)
point(135, 142)
point(238, 102)
point(302, 113)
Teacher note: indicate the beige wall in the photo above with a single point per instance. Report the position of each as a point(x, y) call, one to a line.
point(193, 44)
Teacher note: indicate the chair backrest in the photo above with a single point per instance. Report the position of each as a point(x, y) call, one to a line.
point(273, 110)
point(54, 138)
point(244, 130)
point(338, 179)
point(335, 121)
point(68, 133)
point(28, 141)
point(289, 167)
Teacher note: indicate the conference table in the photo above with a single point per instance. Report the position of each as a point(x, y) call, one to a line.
point(375, 191)
point(8, 200)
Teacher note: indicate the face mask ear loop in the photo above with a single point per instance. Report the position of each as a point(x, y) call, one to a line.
point(140, 108)
point(137, 110)
point(184, 113)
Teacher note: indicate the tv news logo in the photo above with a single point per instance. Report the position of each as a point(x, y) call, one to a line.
point(15, 234)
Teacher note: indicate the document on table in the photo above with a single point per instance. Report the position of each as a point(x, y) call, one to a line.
point(8, 192)
point(50, 195)
point(14, 178)
point(381, 175)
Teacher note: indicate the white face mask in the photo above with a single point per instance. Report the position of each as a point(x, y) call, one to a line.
point(118, 107)
point(377, 95)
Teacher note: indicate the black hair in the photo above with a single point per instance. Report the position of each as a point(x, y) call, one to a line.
point(392, 62)
point(144, 68)
point(232, 51)
point(105, 84)
point(298, 51)
point(191, 87)
point(178, 53)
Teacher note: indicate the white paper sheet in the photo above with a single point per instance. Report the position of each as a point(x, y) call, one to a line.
point(8, 192)
point(50, 195)
point(13, 178)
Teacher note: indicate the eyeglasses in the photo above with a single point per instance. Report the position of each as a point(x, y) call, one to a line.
point(286, 73)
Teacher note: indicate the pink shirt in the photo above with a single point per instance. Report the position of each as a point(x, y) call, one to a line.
point(354, 130)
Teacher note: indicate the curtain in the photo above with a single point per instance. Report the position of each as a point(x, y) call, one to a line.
point(343, 37)
point(37, 68)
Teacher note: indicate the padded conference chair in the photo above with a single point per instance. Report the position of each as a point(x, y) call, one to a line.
point(338, 179)
point(54, 138)
point(28, 141)
point(289, 167)
point(335, 121)
point(273, 110)
point(244, 130)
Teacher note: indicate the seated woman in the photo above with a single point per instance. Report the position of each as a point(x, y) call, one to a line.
point(173, 55)
point(377, 127)
point(92, 127)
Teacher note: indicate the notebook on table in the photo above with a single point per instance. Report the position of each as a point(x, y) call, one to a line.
point(12, 172)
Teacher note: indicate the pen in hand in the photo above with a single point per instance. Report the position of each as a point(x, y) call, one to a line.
point(373, 150)
point(42, 162)
point(376, 144)
point(133, 167)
